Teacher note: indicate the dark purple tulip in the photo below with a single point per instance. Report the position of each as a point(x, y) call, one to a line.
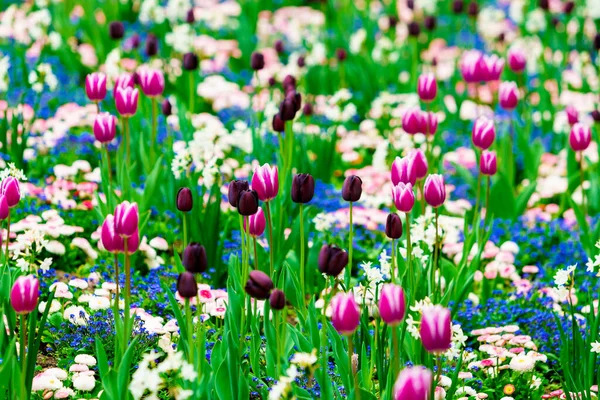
point(194, 258)
point(279, 48)
point(596, 115)
point(186, 285)
point(289, 83)
point(278, 123)
point(307, 109)
point(352, 189)
point(430, 22)
point(458, 6)
point(166, 108)
point(116, 30)
point(277, 300)
point(271, 81)
point(332, 260)
point(190, 18)
point(301, 62)
point(151, 45)
point(235, 188)
point(185, 201)
point(259, 285)
point(569, 6)
point(414, 29)
point(303, 188)
point(393, 226)
point(473, 9)
point(257, 61)
point(287, 109)
point(341, 55)
point(248, 202)
point(190, 61)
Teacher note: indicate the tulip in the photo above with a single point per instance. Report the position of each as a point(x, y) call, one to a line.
point(414, 384)
point(9, 187)
point(278, 46)
point(194, 258)
point(493, 66)
point(341, 54)
point(517, 60)
point(122, 82)
point(111, 242)
point(403, 170)
point(472, 66)
point(105, 127)
point(133, 243)
point(257, 223)
point(403, 197)
point(24, 294)
point(579, 138)
point(352, 188)
point(257, 61)
point(487, 163)
point(392, 304)
point(116, 30)
point(152, 82)
point(303, 188)
point(435, 190)
point(126, 219)
point(289, 83)
point(483, 133)
point(166, 107)
point(266, 182)
point(278, 123)
point(95, 86)
point(414, 30)
point(429, 123)
point(412, 121)
point(190, 62)
point(345, 314)
point(393, 226)
point(234, 190)
point(290, 105)
point(186, 285)
point(436, 329)
point(259, 285)
point(151, 45)
point(277, 300)
point(4, 209)
point(572, 115)
point(419, 163)
point(508, 95)
point(307, 110)
point(332, 260)
point(185, 201)
point(247, 202)
point(427, 87)
point(126, 101)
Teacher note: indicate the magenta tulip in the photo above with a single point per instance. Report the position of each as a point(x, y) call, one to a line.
point(266, 182)
point(516, 60)
point(126, 101)
point(420, 162)
point(10, 189)
point(427, 87)
point(412, 121)
point(152, 81)
point(105, 127)
point(413, 384)
point(403, 196)
point(429, 123)
point(404, 170)
point(572, 115)
point(392, 304)
point(24, 294)
point(436, 329)
point(472, 66)
point(508, 95)
point(126, 219)
point(4, 210)
point(95, 86)
point(257, 222)
point(111, 242)
point(493, 66)
point(435, 190)
point(345, 314)
point(122, 82)
point(579, 138)
point(487, 163)
point(484, 133)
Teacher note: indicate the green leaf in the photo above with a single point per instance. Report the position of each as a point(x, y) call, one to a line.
point(502, 200)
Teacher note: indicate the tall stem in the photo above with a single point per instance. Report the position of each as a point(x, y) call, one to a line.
point(351, 370)
point(127, 141)
point(117, 282)
point(190, 331)
point(349, 268)
point(324, 327)
point(435, 251)
point(185, 231)
point(395, 272)
point(22, 355)
point(409, 256)
point(154, 128)
point(582, 179)
point(255, 254)
point(270, 222)
point(109, 173)
point(477, 198)
point(6, 260)
point(191, 92)
point(396, 355)
point(127, 330)
point(302, 272)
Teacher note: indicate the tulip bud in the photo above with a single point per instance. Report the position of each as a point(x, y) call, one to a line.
point(345, 314)
point(412, 121)
point(111, 242)
point(413, 383)
point(458, 6)
point(9, 187)
point(341, 55)
point(436, 329)
point(428, 123)
point(517, 61)
point(259, 285)
point(392, 304)
point(279, 48)
point(95, 86)
point(427, 87)
point(151, 45)
point(569, 6)
point(185, 201)
point(352, 189)
point(277, 300)
point(487, 163)
point(403, 197)
point(289, 83)
point(266, 182)
point(234, 190)
point(393, 226)
point(257, 223)
point(332, 260)
point(4, 210)
point(413, 29)
point(303, 188)
point(190, 61)
point(24, 294)
point(419, 163)
point(166, 107)
point(278, 123)
point(472, 66)
point(257, 61)
point(105, 127)
point(152, 82)
point(483, 133)
point(123, 81)
point(579, 138)
point(287, 109)
point(116, 30)
point(597, 41)
point(430, 22)
point(508, 95)
point(403, 170)
point(186, 285)
point(492, 67)
point(435, 190)
point(308, 109)
point(572, 115)
point(190, 18)
point(194, 258)
point(126, 219)
point(473, 9)
point(247, 202)
point(301, 62)
point(126, 101)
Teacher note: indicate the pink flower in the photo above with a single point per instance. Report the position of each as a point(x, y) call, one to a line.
point(24, 294)
point(412, 121)
point(516, 60)
point(572, 115)
point(111, 242)
point(472, 66)
point(493, 66)
point(392, 304)
point(257, 222)
point(580, 137)
point(345, 314)
point(484, 133)
point(413, 384)
point(403, 197)
point(9, 187)
point(152, 82)
point(265, 182)
point(126, 101)
point(436, 329)
point(95, 86)
point(435, 190)
point(508, 95)
point(126, 219)
point(429, 123)
point(420, 162)
point(122, 82)
point(487, 163)
point(105, 126)
point(404, 170)
point(4, 210)
point(427, 87)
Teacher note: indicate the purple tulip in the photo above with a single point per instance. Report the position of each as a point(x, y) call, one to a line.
point(427, 87)
point(487, 163)
point(508, 95)
point(579, 138)
point(259, 285)
point(11, 191)
point(332, 260)
point(105, 127)
point(413, 383)
point(126, 101)
point(24, 294)
point(95, 86)
point(572, 115)
point(185, 200)
point(404, 170)
point(436, 329)
point(133, 243)
point(4, 210)
point(517, 60)
point(420, 163)
point(352, 188)
point(194, 258)
point(393, 226)
point(403, 197)
point(122, 82)
point(429, 123)
point(435, 190)
point(112, 242)
point(186, 285)
point(493, 66)
point(345, 314)
point(472, 66)
point(412, 121)
point(484, 133)
point(126, 219)
point(266, 182)
point(392, 304)
point(152, 81)
point(257, 222)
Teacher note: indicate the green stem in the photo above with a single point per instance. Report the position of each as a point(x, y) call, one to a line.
point(127, 328)
point(582, 180)
point(190, 331)
point(409, 256)
point(185, 231)
point(192, 92)
point(324, 329)
point(199, 339)
point(395, 272)
point(355, 375)
point(6, 260)
point(255, 254)
point(350, 246)
point(109, 173)
point(477, 198)
point(435, 252)
point(127, 143)
point(23, 357)
point(396, 354)
point(154, 128)
point(270, 222)
point(302, 272)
